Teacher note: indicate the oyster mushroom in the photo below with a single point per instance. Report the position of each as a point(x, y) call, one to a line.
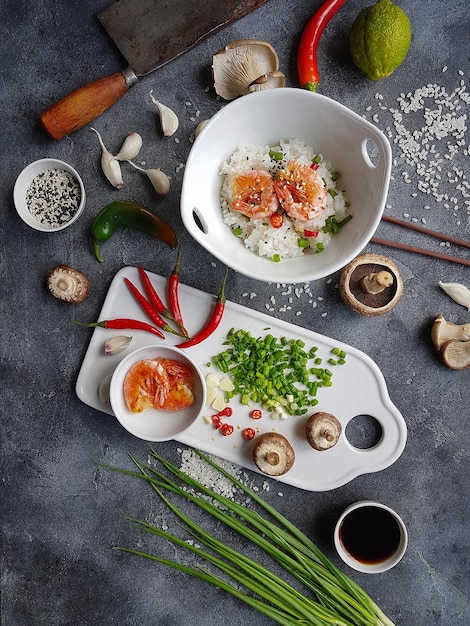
point(371, 284)
point(273, 454)
point(241, 64)
point(322, 430)
point(443, 332)
point(456, 354)
point(68, 284)
point(271, 80)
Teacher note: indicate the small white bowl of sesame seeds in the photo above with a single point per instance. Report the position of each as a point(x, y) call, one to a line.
point(49, 195)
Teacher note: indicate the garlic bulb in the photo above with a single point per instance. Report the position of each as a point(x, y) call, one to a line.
point(459, 293)
point(159, 180)
point(117, 344)
point(110, 165)
point(130, 148)
point(168, 118)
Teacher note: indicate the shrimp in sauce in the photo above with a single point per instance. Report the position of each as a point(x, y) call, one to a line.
point(159, 384)
point(253, 194)
point(301, 191)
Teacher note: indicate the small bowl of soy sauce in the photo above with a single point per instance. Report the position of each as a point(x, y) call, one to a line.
point(370, 537)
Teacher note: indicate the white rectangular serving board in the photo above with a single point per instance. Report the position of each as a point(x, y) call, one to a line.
point(358, 388)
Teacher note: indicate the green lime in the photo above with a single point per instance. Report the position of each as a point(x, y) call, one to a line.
point(379, 39)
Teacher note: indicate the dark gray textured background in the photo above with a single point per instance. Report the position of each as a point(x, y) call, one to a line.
point(61, 515)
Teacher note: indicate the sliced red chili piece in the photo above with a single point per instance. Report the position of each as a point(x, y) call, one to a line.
point(227, 412)
point(310, 233)
point(256, 414)
point(249, 433)
point(276, 220)
point(226, 429)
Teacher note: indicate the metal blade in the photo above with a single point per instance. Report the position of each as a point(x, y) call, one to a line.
point(149, 33)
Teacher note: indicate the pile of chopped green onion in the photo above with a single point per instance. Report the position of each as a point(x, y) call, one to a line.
point(330, 597)
point(278, 373)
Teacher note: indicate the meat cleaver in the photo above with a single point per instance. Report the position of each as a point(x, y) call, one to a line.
point(148, 33)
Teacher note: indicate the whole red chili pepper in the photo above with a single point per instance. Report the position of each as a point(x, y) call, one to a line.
point(124, 324)
point(307, 65)
point(173, 295)
point(153, 314)
point(213, 322)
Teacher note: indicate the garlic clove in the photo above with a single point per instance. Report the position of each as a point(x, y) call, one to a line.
point(117, 344)
point(459, 293)
point(199, 127)
point(159, 180)
point(103, 389)
point(110, 166)
point(168, 119)
point(130, 148)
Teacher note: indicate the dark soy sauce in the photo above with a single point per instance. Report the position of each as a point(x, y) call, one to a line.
point(370, 534)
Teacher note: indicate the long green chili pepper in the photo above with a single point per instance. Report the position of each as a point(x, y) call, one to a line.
point(128, 214)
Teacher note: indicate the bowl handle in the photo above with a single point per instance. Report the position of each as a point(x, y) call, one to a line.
point(377, 154)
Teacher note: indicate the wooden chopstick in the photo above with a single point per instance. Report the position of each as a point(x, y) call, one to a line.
point(431, 253)
point(425, 231)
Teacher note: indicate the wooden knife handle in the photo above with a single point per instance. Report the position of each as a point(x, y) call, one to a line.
point(83, 105)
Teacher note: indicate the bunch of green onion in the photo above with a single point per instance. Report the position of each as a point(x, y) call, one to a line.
point(332, 597)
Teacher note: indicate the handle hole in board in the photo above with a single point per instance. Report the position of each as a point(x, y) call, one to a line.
point(200, 221)
point(363, 432)
point(370, 153)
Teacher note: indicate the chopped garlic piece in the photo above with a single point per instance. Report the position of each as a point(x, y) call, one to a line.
point(226, 384)
point(212, 380)
point(211, 395)
point(218, 403)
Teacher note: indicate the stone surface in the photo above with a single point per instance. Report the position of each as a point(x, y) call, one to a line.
point(62, 514)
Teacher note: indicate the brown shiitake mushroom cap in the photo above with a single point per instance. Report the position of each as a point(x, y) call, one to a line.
point(371, 284)
point(68, 284)
point(322, 430)
point(273, 454)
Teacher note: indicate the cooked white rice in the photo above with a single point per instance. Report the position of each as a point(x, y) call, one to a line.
point(258, 235)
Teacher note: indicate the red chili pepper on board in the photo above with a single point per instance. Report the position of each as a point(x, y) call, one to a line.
point(148, 308)
point(213, 322)
point(226, 429)
point(152, 294)
point(307, 65)
point(227, 412)
point(173, 295)
point(249, 433)
point(125, 324)
point(256, 414)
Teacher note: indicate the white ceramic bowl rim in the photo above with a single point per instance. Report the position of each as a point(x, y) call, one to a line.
point(23, 181)
point(354, 146)
point(375, 568)
point(154, 425)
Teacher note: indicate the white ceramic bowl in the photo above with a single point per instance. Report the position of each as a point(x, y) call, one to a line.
point(25, 179)
point(367, 533)
point(355, 148)
point(153, 424)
